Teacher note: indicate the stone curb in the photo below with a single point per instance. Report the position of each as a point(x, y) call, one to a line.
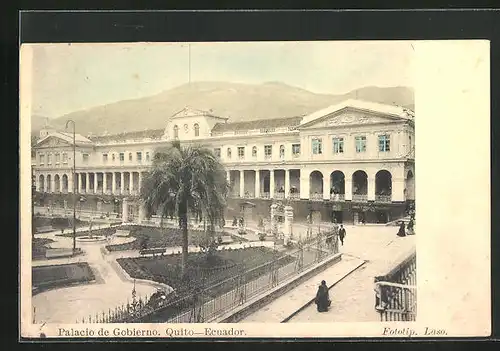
point(329, 287)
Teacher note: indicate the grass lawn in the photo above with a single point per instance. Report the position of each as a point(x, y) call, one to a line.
point(215, 277)
point(56, 276)
point(39, 247)
point(150, 237)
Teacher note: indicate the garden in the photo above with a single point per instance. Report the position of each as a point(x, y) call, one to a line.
point(151, 237)
point(57, 276)
point(210, 275)
point(39, 248)
point(57, 222)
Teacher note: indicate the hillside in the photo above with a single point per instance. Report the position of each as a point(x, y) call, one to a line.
point(239, 102)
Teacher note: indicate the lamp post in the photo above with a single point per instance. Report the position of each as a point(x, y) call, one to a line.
point(74, 184)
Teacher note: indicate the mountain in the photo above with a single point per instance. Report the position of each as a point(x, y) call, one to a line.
point(237, 101)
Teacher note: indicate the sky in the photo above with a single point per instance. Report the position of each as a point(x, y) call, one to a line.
point(71, 77)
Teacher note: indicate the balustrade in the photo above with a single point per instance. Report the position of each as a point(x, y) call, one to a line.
point(360, 198)
point(383, 198)
point(316, 197)
point(337, 197)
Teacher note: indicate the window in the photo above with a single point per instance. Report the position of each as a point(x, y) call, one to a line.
point(241, 152)
point(316, 146)
point(65, 157)
point(196, 130)
point(42, 159)
point(228, 152)
point(104, 158)
point(49, 159)
point(295, 150)
point(282, 151)
point(217, 152)
point(113, 157)
point(122, 157)
point(130, 156)
point(176, 132)
point(138, 156)
point(85, 158)
point(360, 143)
point(338, 145)
point(254, 151)
point(384, 143)
point(147, 156)
point(268, 151)
point(58, 158)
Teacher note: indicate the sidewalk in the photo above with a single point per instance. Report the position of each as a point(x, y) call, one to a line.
point(284, 307)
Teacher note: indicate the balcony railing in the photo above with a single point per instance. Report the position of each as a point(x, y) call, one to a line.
point(396, 293)
point(316, 197)
point(279, 195)
point(383, 198)
point(264, 195)
point(360, 198)
point(294, 196)
point(337, 197)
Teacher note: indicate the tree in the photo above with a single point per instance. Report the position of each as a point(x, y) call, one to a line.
point(185, 181)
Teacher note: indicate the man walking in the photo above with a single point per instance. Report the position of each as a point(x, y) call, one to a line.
point(342, 234)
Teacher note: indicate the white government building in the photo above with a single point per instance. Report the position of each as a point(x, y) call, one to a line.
point(352, 161)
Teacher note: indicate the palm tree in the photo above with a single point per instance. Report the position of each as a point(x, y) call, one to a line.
point(184, 181)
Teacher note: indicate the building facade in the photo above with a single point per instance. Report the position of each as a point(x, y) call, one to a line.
point(353, 162)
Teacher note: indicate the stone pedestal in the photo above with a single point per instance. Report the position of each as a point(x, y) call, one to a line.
point(287, 230)
point(141, 212)
point(274, 223)
point(125, 210)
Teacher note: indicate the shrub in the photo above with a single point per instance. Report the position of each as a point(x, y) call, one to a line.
point(262, 236)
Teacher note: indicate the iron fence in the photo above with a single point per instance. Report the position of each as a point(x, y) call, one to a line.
point(396, 292)
point(210, 300)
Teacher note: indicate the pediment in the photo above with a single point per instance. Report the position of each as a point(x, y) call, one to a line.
point(52, 141)
point(349, 117)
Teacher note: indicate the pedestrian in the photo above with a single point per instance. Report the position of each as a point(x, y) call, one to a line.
point(322, 298)
point(410, 227)
point(342, 234)
point(401, 231)
point(235, 221)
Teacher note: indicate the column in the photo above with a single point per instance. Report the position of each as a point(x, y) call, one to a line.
point(141, 211)
point(287, 183)
point(304, 184)
point(348, 188)
point(140, 182)
point(228, 176)
point(122, 183)
point(131, 182)
point(52, 183)
point(398, 187)
point(326, 186)
point(87, 184)
point(125, 210)
point(95, 182)
point(287, 228)
point(271, 183)
point(113, 184)
point(371, 188)
point(104, 182)
point(79, 189)
point(257, 183)
point(70, 182)
point(242, 184)
point(37, 182)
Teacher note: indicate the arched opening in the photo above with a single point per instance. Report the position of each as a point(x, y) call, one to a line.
point(57, 183)
point(65, 183)
point(176, 132)
point(229, 153)
point(410, 186)
point(48, 184)
point(383, 186)
point(282, 151)
point(196, 130)
point(254, 151)
point(316, 185)
point(41, 183)
point(337, 185)
point(359, 186)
